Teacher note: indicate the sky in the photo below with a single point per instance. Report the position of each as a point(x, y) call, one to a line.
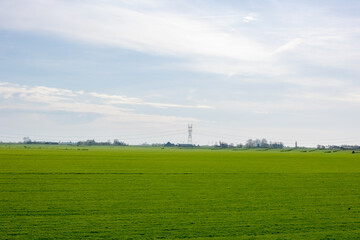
point(140, 71)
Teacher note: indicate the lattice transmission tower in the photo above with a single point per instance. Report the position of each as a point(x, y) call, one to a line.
point(189, 133)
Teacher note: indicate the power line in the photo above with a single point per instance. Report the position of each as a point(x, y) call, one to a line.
point(177, 132)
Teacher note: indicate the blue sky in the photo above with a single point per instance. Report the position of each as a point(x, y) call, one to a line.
point(141, 70)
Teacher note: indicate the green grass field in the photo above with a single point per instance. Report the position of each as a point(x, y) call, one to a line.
point(151, 193)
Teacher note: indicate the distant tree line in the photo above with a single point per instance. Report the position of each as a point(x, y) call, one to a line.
point(27, 140)
point(250, 143)
point(92, 142)
point(169, 144)
point(339, 147)
point(263, 143)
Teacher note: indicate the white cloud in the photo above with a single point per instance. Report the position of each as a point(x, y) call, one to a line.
point(45, 113)
point(300, 101)
point(37, 94)
point(116, 99)
point(232, 68)
point(249, 18)
point(349, 98)
point(166, 33)
point(289, 45)
point(53, 99)
point(114, 24)
point(206, 43)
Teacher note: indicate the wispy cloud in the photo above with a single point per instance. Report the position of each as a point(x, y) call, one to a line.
point(119, 25)
point(62, 114)
point(293, 43)
point(351, 98)
point(200, 40)
point(165, 33)
point(54, 99)
point(116, 99)
point(249, 18)
point(36, 94)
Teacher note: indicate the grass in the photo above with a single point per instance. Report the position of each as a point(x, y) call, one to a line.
point(153, 193)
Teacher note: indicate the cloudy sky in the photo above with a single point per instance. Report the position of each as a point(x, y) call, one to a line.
point(142, 70)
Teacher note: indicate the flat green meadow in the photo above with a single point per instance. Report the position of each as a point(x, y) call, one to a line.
point(64, 192)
